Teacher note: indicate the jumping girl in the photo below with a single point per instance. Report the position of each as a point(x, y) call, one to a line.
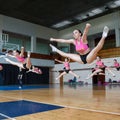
point(66, 69)
point(85, 55)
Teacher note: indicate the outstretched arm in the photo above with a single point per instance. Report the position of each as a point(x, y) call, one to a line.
point(106, 61)
point(59, 61)
point(85, 32)
point(70, 41)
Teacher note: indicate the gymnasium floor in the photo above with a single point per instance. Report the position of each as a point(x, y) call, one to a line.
point(54, 102)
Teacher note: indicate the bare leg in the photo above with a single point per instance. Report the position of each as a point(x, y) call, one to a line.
point(101, 73)
point(14, 63)
point(28, 61)
point(63, 73)
point(94, 73)
point(92, 55)
point(108, 69)
point(74, 57)
point(71, 72)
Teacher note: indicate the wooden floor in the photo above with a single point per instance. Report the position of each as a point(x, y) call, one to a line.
point(80, 102)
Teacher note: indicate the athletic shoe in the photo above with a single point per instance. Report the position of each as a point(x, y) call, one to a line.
point(105, 32)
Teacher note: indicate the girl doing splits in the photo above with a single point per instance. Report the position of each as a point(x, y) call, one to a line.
point(66, 68)
point(85, 55)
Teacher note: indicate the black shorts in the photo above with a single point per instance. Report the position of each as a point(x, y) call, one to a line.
point(83, 58)
point(118, 68)
point(67, 71)
point(103, 68)
point(26, 69)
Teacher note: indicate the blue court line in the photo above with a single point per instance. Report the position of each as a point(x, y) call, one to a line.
point(24, 107)
point(25, 87)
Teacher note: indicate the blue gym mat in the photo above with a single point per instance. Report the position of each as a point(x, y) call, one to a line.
point(24, 107)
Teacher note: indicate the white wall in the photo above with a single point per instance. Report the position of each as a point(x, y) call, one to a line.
point(36, 62)
point(26, 28)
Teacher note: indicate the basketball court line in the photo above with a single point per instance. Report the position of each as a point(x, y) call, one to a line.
point(7, 117)
point(78, 108)
point(65, 106)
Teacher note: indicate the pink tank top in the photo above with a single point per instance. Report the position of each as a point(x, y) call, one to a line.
point(81, 47)
point(100, 63)
point(116, 64)
point(20, 59)
point(67, 65)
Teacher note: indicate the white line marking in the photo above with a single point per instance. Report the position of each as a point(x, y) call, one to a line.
point(7, 116)
point(85, 109)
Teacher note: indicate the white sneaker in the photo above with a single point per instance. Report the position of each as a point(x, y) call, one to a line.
point(54, 49)
point(20, 87)
point(105, 32)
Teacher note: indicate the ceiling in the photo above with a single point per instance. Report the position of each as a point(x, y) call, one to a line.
point(50, 13)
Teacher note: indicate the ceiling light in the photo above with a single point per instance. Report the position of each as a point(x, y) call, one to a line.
point(117, 2)
point(61, 24)
point(91, 14)
point(114, 4)
point(81, 17)
point(97, 11)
